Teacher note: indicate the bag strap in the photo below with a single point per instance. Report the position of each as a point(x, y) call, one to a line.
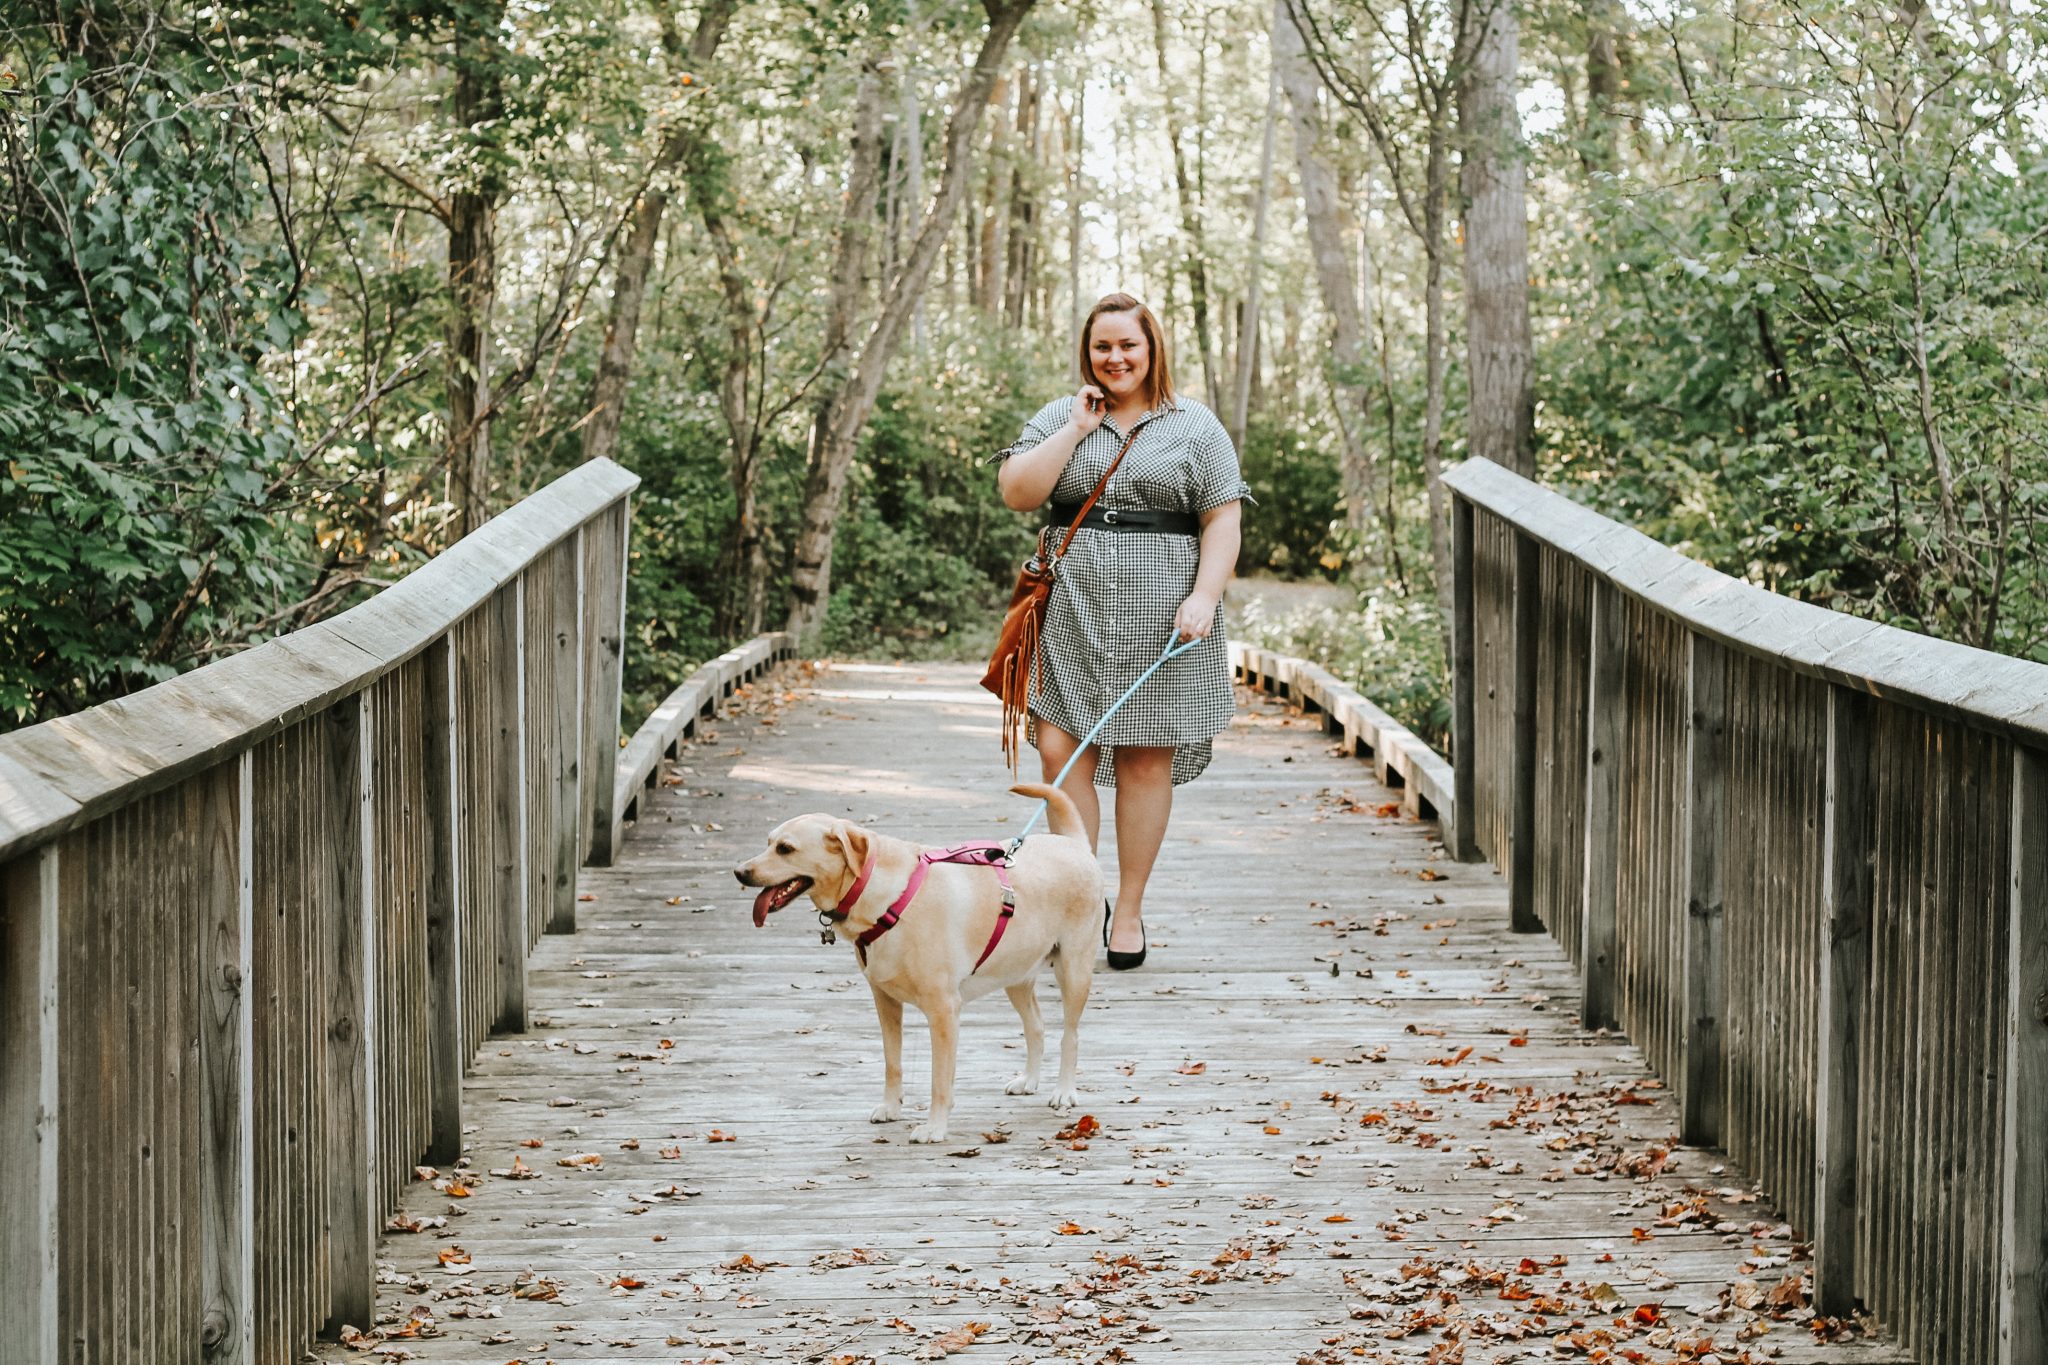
point(1100, 485)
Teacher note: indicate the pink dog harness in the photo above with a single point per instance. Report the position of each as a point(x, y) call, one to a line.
point(990, 856)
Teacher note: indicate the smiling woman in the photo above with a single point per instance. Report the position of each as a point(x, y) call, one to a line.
point(1148, 564)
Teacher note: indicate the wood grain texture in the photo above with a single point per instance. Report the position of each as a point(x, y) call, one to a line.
point(2023, 1215)
point(1523, 917)
point(29, 1130)
point(1702, 1087)
point(604, 546)
point(1233, 1078)
point(1846, 864)
point(1463, 834)
point(445, 818)
point(1606, 722)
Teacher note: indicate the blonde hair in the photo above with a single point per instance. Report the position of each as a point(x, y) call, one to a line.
point(1158, 373)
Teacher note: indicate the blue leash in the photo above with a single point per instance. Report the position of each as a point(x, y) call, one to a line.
point(1172, 651)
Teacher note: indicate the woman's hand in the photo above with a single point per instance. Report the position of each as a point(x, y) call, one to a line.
point(1196, 617)
point(1090, 404)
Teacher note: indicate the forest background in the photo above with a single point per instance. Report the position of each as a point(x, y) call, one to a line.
point(294, 293)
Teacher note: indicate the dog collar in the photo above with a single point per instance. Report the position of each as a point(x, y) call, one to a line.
point(846, 902)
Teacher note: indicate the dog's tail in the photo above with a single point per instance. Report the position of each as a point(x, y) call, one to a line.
point(1061, 815)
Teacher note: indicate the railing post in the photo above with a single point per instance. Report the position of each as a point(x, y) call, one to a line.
point(508, 817)
point(28, 1108)
point(1846, 887)
point(1522, 917)
point(439, 761)
point(1705, 770)
point(564, 614)
point(224, 840)
point(1464, 823)
point(2023, 1242)
point(604, 601)
point(351, 1020)
point(1606, 723)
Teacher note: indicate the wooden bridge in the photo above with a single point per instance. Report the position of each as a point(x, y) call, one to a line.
point(337, 1015)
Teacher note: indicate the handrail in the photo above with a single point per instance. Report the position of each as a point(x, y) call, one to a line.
point(1801, 859)
point(255, 922)
point(1993, 690)
point(65, 772)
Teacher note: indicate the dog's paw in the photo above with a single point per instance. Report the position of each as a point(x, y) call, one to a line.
point(1063, 1099)
point(888, 1111)
point(1023, 1083)
point(928, 1132)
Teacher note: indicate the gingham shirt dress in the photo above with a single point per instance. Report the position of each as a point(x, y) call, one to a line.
point(1115, 593)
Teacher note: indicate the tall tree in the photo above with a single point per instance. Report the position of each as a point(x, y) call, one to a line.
point(687, 142)
point(845, 411)
point(476, 107)
point(1500, 402)
point(1196, 251)
point(1248, 325)
point(1330, 253)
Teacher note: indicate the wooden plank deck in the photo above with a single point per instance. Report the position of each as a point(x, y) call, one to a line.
point(1343, 1113)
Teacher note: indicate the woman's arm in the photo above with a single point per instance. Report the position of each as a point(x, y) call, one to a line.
point(1027, 479)
point(1221, 537)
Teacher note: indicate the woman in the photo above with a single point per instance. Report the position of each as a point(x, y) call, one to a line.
point(1150, 562)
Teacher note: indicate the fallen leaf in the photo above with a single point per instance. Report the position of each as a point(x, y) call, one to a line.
point(452, 1255)
point(1193, 1068)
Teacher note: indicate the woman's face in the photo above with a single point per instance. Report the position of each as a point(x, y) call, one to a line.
point(1120, 354)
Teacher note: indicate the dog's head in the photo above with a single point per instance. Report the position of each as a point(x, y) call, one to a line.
point(810, 851)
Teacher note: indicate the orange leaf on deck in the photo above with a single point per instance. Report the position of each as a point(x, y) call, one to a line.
point(628, 1282)
point(453, 1256)
point(716, 1135)
point(1649, 1314)
point(1193, 1068)
point(586, 896)
point(1338, 1218)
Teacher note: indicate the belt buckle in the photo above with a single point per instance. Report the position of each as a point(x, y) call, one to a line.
point(1109, 516)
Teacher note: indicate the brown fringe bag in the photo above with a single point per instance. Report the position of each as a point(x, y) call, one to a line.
point(1014, 666)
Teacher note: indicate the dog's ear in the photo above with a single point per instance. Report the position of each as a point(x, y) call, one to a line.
point(852, 842)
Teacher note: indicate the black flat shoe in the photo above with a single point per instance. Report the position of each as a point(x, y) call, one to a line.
point(1121, 961)
point(1107, 913)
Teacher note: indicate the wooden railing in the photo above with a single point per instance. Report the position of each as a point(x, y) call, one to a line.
point(258, 919)
point(1801, 859)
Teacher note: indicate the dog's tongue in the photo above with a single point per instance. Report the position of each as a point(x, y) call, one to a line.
point(763, 903)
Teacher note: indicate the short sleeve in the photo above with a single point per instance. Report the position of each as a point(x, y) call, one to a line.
point(1044, 425)
point(1217, 478)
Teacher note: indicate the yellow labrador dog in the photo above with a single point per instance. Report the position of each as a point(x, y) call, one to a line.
point(937, 929)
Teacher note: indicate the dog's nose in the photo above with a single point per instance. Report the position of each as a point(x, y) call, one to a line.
point(740, 875)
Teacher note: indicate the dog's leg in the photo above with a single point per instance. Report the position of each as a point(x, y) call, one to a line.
point(943, 1014)
point(1075, 971)
point(1025, 997)
point(890, 1010)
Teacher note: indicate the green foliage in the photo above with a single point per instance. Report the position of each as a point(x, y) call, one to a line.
point(146, 448)
point(1389, 647)
point(1294, 531)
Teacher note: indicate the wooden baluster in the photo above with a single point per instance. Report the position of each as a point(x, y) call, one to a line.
point(442, 837)
point(508, 812)
point(1606, 725)
point(223, 836)
point(565, 617)
point(2023, 1240)
point(1522, 918)
point(29, 1134)
point(351, 1078)
point(1847, 864)
point(604, 603)
point(1700, 1095)
point(1463, 834)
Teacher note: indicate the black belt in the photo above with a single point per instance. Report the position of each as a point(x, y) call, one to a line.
point(1129, 519)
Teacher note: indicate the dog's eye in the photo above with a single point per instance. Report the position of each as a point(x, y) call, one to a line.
point(785, 848)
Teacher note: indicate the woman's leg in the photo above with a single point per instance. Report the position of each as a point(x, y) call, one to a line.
point(1144, 800)
point(1055, 747)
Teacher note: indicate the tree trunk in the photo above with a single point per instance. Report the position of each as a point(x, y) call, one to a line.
point(1436, 192)
point(847, 409)
point(1248, 324)
point(629, 286)
point(1598, 143)
point(995, 218)
point(472, 274)
point(1190, 219)
point(1335, 277)
point(1501, 407)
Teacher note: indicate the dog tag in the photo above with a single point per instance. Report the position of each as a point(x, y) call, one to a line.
point(825, 936)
